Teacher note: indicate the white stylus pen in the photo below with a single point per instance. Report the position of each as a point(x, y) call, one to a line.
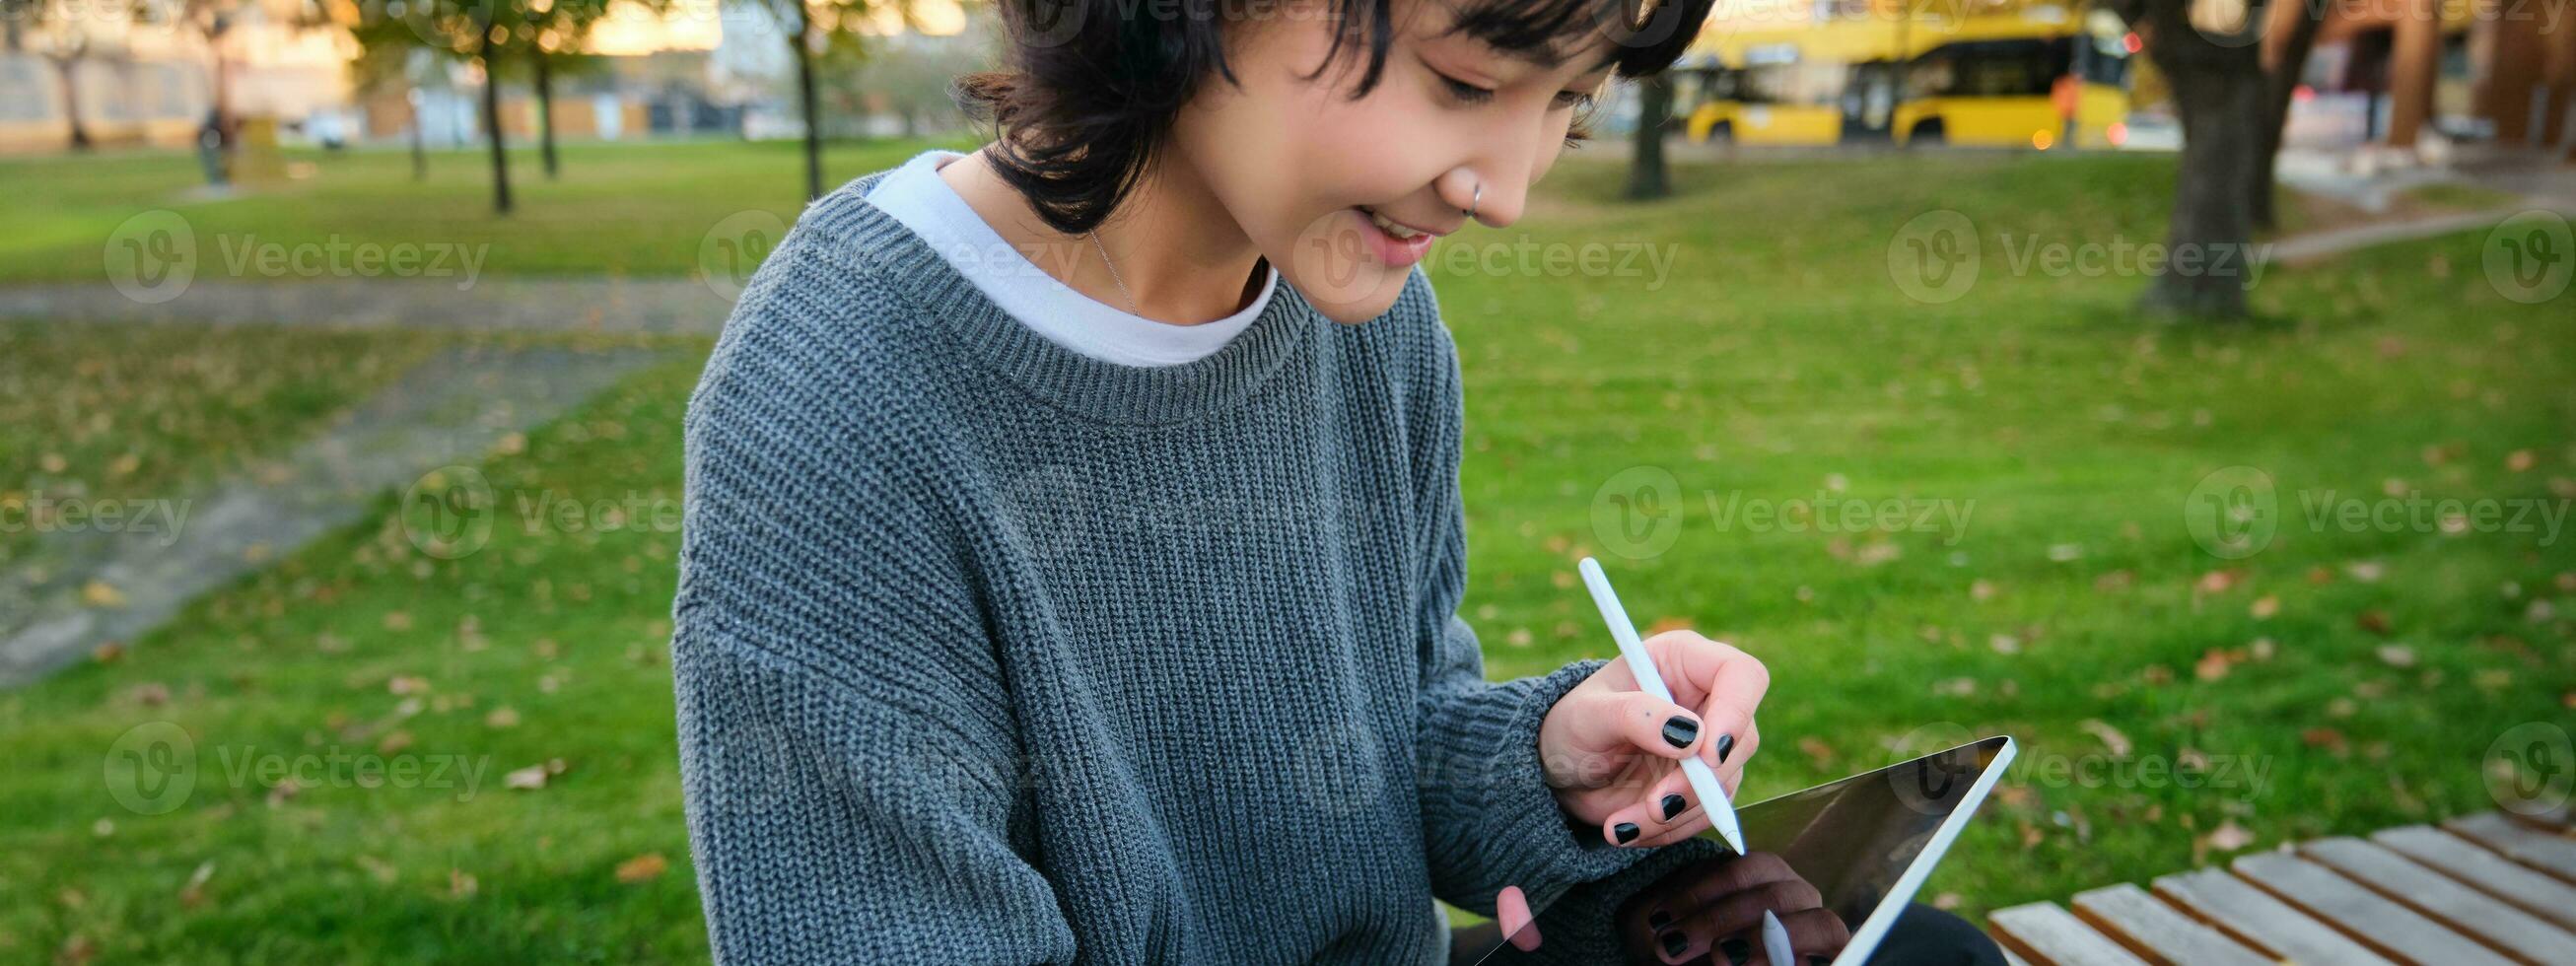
point(1775, 941)
point(1712, 796)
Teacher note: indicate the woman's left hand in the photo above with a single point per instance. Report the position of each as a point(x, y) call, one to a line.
point(1613, 752)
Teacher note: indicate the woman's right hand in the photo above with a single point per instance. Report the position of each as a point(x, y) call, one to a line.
point(1719, 903)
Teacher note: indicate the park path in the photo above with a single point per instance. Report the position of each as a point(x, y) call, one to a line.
point(449, 410)
point(581, 304)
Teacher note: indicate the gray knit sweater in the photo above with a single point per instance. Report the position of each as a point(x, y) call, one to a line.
point(990, 652)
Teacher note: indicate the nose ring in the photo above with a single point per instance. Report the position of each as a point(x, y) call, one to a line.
point(1475, 201)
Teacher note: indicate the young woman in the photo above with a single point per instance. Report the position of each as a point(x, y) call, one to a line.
point(1073, 544)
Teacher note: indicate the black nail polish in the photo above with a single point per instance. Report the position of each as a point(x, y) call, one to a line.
point(1673, 805)
point(1659, 920)
point(1737, 951)
point(1625, 832)
point(1725, 747)
point(1674, 943)
point(1681, 731)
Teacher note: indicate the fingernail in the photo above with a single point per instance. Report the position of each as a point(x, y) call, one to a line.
point(1737, 951)
point(1681, 731)
point(1625, 832)
point(1674, 943)
point(1673, 805)
point(1659, 920)
point(1819, 961)
point(1725, 747)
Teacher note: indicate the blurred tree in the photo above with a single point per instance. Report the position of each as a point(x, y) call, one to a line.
point(1647, 176)
point(59, 37)
point(2208, 50)
point(813, 31)
point(562, 31)
point(473, 31)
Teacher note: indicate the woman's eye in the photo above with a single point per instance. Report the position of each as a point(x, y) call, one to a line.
point(1466, 93)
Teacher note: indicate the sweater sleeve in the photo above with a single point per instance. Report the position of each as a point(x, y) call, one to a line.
point(1489, 818)
point(848, 766)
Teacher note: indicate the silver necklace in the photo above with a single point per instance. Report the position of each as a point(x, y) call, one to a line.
point(1113, 273)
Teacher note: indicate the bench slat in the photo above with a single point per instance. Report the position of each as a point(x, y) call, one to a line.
point(2159, 932)
point(2048, 936)
point(2375, 921)
point(2474, 914)
point(2535, 893)
point(2552, 854)
point(2252, 915)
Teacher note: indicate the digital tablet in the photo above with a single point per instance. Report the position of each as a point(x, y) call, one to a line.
point(1865, 844)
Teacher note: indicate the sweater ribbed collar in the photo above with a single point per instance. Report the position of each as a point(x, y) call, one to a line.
point(874, 242)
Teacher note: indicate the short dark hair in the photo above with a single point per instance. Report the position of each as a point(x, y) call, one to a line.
point(1092, 86)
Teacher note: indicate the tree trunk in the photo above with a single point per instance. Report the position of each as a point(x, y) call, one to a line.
point(2220, 98)
point(2280, 82)
point(806, 98)
point(1647, 174)
point(419, 150)
point(492, 125)
point(71, 103)
point(546, 109)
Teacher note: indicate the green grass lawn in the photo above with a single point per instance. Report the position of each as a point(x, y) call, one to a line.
point(2361, 675)
point(617, 209)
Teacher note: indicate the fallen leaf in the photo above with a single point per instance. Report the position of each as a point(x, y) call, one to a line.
point(502, 717)
point(2111, 737)
point(193, 894)
point(2397, 655)
point(2328, 739)
point(1981, 590)
point(530, 778)
point(2214, 664)
point(461, 884)
point(100, 593)
point(2264, 607)
point(107, 653)
point(2374, 621)
point(2218, 581)
point(2228, 837)
point(1663, 624)
point(2005, 644)
point(642, 868)
point(2366, 571)
point(1817, 751)
point(2518, 461)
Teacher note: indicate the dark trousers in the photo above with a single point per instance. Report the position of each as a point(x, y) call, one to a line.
point(1923, 936)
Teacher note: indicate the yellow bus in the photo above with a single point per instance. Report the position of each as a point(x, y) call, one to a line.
point(2000, 80)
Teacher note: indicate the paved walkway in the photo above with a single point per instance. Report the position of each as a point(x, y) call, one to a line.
point(449, 410)
point(534, 304)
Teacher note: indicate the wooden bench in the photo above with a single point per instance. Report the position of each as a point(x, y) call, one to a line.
point(2487, 890)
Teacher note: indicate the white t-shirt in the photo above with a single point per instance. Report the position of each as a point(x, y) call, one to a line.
point(916, 196)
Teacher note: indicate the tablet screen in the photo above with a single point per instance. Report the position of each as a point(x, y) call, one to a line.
point(1822, 861)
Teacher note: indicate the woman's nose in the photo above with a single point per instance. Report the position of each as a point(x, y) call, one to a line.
point(1484, 198)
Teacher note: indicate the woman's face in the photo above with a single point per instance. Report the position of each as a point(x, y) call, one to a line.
point(1302, 167)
